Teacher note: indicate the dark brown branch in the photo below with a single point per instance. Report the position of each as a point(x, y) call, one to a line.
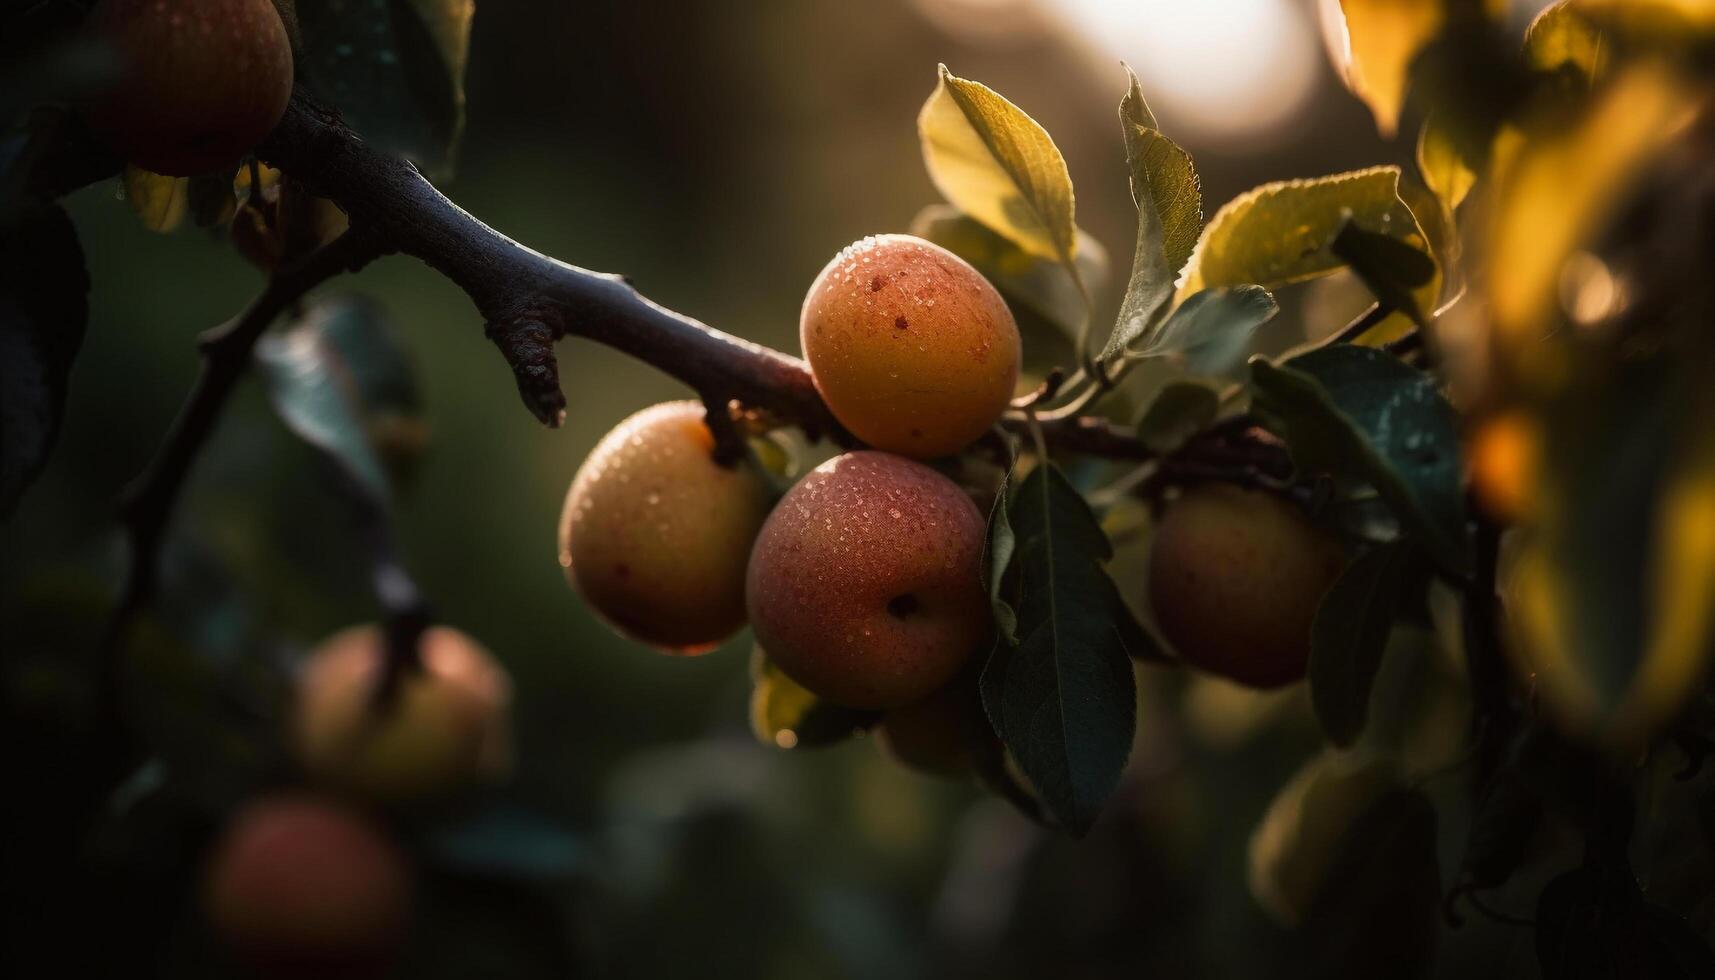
point(146, 507)
point(529, 301)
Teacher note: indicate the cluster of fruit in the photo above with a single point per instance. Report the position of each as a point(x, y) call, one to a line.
point(864, 582)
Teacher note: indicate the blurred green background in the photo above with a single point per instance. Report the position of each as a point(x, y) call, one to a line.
point(719, 153)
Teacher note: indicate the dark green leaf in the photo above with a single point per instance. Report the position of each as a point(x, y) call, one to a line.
point(1349, 636)
point(998, 546)
point(1063, 698)
point(315, 383)
point(44, 309)
point(1360, 412)
point(1210, 332)
point(1390, 268)
point(394, 68)
point(1180, 410)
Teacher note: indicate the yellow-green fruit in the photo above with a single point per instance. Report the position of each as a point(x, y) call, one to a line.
point(1235, 577)
point(865, 585)
point(302, 887)
point(202, 81)
point(655, 534)
point(911, 348)
point(444, 729)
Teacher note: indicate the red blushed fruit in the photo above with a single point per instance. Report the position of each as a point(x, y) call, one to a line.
point(299, 886)
point(202, 81)
point(1235, 577)
point(865, 583)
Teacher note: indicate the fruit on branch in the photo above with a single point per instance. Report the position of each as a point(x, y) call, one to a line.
point(299, 886)
point(655, 534)
point(934, 735)
point(201, 81)
point(865, 583)
point(443, 728)
point(1235, 577)
point(911, 348)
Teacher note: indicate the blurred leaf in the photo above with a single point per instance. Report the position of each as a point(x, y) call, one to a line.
point(1350, 635)
point(1280, 233)
point(1356, 411)
point(1040, 284)
point(1445, 170)
point(1615, 588)
point(503, 841)
point(1563, 35)
point(314, 375)
point(1180, 410)
point(1381, 39)
point(394, 69)
point(1509, 811)
point(1592, 925)
point(1063, 698)
point(1163, 170)
point(1393, 271)
point(1211, 331)
point(1296, 843)
point(785, 715)
point(1558, 192)
point(999, 166)
point(161, 202)
point(44, 309)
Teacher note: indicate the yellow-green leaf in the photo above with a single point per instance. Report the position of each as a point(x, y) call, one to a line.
point(1444, 168)
point(1279, 233)
point(785, 715)
point(161, 202)
point(1373, 43)
point(999, 166)
point(1564, 35)
point(1166, 170)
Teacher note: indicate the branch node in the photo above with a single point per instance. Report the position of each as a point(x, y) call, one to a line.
point(527, 343)
point(730, 446)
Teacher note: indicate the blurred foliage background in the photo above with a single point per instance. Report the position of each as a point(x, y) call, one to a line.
point(719, 154)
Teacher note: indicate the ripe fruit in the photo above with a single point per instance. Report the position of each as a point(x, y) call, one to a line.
point(1235, 577)
point(911, 348)
point(865, 584)
point(933, 735)
point(203, 81)
point(302, 887)
point(442, 730)
point(655, 534)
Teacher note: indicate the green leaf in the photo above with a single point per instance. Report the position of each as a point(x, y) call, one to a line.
point(1063, 698)
point(1042, 285)
point(1280, 233)
point(44, 310)
point(1392, 270)
point(1360, 412)
point(998, 545)
point(1180, 410)
point(1165, 189)
point(1163, 170)
point(394, 69)
point(1350, 635)
point(1210, 332)
point(785, 715)
point(328, 377)
point(160, 202)
point(999, 166)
